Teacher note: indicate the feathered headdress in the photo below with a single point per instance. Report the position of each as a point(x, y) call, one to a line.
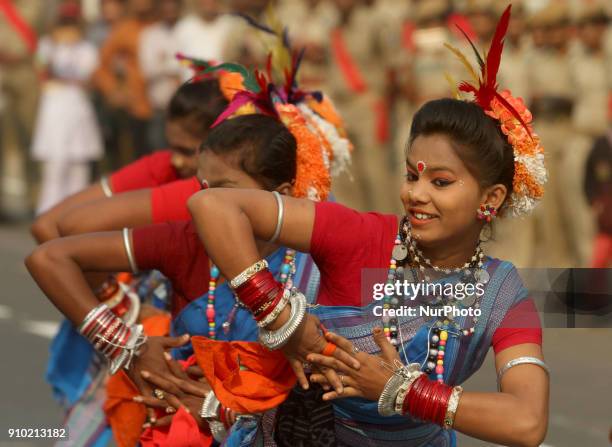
point(229, 82)
point(514, 117)
point(323, 149)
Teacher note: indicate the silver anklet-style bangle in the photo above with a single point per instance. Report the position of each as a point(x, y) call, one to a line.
point(280, 217)
point(277, 339)
point(520, 361)
point(248, 273)
point(106, 188)
point(128, 251)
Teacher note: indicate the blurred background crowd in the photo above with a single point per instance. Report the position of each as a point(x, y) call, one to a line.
point(98, 74)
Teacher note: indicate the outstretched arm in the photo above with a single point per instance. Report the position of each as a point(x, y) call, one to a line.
point(45, 227)
point(126, 210)
point(229, 220)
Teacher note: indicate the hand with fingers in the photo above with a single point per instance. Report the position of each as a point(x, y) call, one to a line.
point(367, 381)
point(173, 391)
point(310, 339)
point(151, 358)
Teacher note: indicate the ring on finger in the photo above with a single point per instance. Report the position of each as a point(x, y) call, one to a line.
point(170, 410)
point(341, 377)
point(355, 349)
point(159, 394)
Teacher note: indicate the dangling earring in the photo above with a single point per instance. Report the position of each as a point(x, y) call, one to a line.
point(486, 212)
point(204, 184)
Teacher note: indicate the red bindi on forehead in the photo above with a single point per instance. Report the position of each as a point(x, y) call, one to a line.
point(421, 166)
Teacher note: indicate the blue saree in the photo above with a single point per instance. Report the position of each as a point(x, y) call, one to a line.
point(357, 420)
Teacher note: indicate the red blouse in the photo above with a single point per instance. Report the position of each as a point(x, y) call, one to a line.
point(169, 201)
point(345, 241)
point(174, 249)
point(146, 172)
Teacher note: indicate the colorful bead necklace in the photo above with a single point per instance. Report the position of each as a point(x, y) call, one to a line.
point(405, 247)
point(287, 270)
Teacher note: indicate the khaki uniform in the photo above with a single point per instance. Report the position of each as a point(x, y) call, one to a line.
point(591, 82)
point(514, 239)
point(371, 184)
point(19, 86)
point(309, 27)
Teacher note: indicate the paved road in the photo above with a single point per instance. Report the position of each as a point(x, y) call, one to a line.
point(581, 388)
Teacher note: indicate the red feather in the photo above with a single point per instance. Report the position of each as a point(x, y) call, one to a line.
point(495, 51)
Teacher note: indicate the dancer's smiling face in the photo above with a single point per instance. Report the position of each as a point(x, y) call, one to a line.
point(441, 200)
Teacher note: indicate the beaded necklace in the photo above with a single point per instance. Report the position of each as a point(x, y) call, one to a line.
point(287, 270)
point(405, 247)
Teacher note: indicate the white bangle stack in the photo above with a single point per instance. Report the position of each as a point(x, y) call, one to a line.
point(277, 339)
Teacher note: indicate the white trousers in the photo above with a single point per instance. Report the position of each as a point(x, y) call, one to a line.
point(59, 180)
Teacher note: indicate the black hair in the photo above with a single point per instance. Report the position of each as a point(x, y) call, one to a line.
point(197, 105)
point(266, 149)
point(476, 138)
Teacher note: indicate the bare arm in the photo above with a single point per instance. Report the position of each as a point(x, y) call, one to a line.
point(229, 220)
point(58, 268)
point(518, 415)
point(126, 210)
point(45, 227)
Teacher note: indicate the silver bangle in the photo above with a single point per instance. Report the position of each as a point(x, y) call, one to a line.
point(413, 371)
point(106, 188)
point(451, 409)
point(276, 339)
point(128, 251)
point(130, 350)
point(210, 413)
point(520, 361)
point(279, 218)
point(248, 273)
point(277, 310)
point(386, 401)
point(210, 407)
point(388, 398)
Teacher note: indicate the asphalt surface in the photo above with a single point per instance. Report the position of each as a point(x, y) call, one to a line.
point(581, 361)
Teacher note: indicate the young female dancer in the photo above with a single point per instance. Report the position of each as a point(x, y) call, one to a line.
point(249, 151)
point(466, 163)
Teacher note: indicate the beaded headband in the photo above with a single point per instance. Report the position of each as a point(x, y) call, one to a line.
point(515, 119)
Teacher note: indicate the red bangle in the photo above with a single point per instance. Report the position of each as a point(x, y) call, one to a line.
point(438, 402)
point(270, 307)
point(258, 289)
point(439, 418)
point(426, 400)
point(411, 400)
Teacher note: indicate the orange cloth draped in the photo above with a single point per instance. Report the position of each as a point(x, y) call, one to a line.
point(124, 415)
point(264, 384)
